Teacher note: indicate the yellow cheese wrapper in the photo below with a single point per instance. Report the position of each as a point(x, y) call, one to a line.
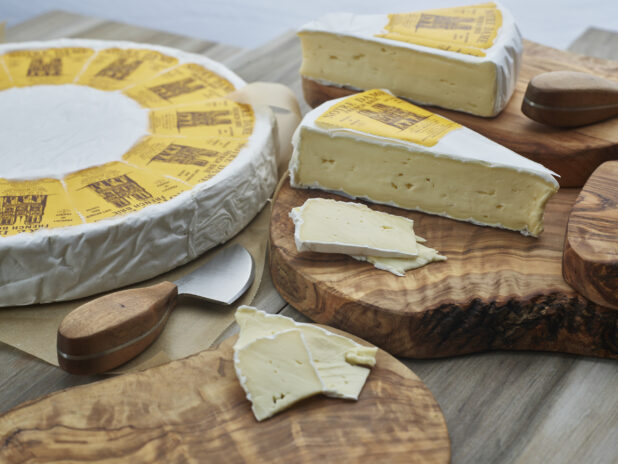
point(5, 79)
point(214, 118)
point(188, 83)
point(379, 113)
point(27, 206)
point(468, 29)
point(117, 188)
point(116, 68)
point(191, 160)
point(49, 66)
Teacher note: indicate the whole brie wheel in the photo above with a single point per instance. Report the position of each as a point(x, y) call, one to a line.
point(120, 161)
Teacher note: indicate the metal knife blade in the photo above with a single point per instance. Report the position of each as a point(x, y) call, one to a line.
point(223, 279)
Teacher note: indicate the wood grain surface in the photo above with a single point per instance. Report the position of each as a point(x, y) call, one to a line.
point(194, 410)
point(590, 259)
point(497, 290)
point(506, 407)
point(573, 153)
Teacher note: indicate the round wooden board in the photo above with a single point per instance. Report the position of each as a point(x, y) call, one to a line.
point(573, 153)
point(497, 290)
point(194, 410)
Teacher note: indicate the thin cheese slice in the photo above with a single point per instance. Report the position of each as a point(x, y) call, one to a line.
point(399, 266)
point(340, 362)
point(276, 371)
point(330, 226)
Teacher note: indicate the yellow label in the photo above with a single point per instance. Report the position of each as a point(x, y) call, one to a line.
point(5, 79)
point(116, 188)
point(191, 160)
point(468, 29)
point(116, 68)
point(214, 118)
point(379, 113)
point(188, 83)
point(27, 206)
point(49, 66)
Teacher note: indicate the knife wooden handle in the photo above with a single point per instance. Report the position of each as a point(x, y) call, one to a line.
point(570, 99)
point(109, 331)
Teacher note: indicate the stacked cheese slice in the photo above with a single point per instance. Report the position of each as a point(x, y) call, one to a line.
point(462, 58)
point(385, 240)
point(375, 146)
point(280, 362)
point(120, 161)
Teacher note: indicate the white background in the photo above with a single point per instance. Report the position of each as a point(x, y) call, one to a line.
point(249, 24)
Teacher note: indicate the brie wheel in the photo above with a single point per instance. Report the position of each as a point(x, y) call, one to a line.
point(98, 193)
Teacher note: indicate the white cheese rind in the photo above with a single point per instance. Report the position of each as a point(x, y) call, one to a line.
point(72, 262)
point(367, 238)
point(505, 54)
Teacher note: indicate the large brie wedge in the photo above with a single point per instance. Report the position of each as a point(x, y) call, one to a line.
point(375, 146)
point(120, 161)
point(461, 58)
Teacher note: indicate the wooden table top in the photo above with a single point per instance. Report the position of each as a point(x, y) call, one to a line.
point(507, 407)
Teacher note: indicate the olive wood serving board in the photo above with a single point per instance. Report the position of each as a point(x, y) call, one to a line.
point(572, 153)
point(498, 290)
point(590, 259)
point(194, 410)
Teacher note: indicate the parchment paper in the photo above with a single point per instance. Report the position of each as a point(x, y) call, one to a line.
point(193, 326)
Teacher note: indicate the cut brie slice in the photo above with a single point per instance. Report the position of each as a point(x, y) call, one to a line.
point(330, 226)
point(339, 361)
point(433, 57)
point(399, 266)
point(380, 148)
point(276, 371)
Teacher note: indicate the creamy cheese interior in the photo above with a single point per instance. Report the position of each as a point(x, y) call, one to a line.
point(422, 77)
point(470, 191)
point(276, 372)
point(51, 130)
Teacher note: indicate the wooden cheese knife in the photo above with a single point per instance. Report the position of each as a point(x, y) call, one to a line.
point(570, 99)
point(109, 331)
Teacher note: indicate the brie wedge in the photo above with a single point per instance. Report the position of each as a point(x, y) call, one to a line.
point(462, 58)
point(377, 147)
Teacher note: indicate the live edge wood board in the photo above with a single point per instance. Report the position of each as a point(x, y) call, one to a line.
point(194, 410)
point(590, 259)
point(498, 290)
point(572, 153)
